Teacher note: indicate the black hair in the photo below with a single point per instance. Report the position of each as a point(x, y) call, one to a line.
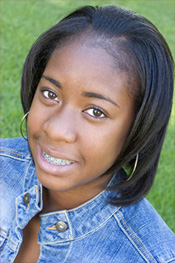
point(146, 57)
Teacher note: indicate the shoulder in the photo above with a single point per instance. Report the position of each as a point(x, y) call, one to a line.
point(15, 147)
point(15, 159)
point(17, 175)
point(147, 231)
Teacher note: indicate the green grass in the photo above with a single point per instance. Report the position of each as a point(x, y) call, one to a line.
point(23, 21)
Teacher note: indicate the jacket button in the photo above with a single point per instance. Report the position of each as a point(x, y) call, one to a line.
point(61, 226)
point(26, 198)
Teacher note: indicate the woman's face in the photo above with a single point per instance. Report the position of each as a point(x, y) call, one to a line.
point(79, 118)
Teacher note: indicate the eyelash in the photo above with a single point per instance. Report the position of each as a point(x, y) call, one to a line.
point(49, 92)
point(93, 108)
point(97, 109)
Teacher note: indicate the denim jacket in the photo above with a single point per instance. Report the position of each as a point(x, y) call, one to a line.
point(93, 232)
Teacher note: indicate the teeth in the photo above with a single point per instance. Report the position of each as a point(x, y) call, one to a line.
point(55, 161)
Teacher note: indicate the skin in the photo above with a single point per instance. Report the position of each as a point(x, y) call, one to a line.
point(81, 112)
point(62, 122)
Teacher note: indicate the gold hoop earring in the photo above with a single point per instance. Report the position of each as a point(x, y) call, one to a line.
point(135, 166)
point(23, 118)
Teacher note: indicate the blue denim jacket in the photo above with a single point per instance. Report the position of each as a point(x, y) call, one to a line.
point(93, 232)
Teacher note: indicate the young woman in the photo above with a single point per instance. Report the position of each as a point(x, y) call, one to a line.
point(97, 94)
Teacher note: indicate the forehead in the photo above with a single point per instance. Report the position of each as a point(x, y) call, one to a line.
point(87, 64)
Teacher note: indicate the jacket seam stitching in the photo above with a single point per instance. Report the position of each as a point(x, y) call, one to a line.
point(4, 230)
point(136, 238)
point(17, 158)
point(99, 226)
point(6, 237)
point(82, 236)
point(68, 251)
point(14, 249)
point(69, 224)
point(13, 152)
point(170, 260)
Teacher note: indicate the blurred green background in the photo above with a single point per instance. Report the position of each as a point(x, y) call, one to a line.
point(23, 21)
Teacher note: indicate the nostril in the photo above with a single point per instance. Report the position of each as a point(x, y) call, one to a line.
point(61, 127)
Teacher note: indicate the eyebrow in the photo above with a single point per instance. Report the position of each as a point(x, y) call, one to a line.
point(85, 94)
point(53, 81)
point(98, 96)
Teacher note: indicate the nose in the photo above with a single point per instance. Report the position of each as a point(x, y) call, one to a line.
point(60, 126)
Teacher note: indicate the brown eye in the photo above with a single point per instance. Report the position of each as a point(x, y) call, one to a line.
point(96, 113)
point(50, 95)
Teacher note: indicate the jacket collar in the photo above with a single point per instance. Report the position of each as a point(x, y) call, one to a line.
point(77, 222)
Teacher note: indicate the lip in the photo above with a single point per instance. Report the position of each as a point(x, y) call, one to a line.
point(56, 154)
point(52, 168)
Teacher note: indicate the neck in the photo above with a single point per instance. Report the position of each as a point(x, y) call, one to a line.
point(69, 199)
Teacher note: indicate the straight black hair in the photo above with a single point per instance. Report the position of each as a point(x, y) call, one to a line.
point(143, 54)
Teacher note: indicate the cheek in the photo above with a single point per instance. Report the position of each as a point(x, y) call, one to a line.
point(32, 122)
point(105, 147)
point(36, 114)
point(109, 140)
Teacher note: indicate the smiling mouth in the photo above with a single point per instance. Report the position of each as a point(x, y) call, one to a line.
point(56, 161)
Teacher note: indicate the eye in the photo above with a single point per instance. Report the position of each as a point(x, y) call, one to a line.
point(96, 113)
point(48, 94)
